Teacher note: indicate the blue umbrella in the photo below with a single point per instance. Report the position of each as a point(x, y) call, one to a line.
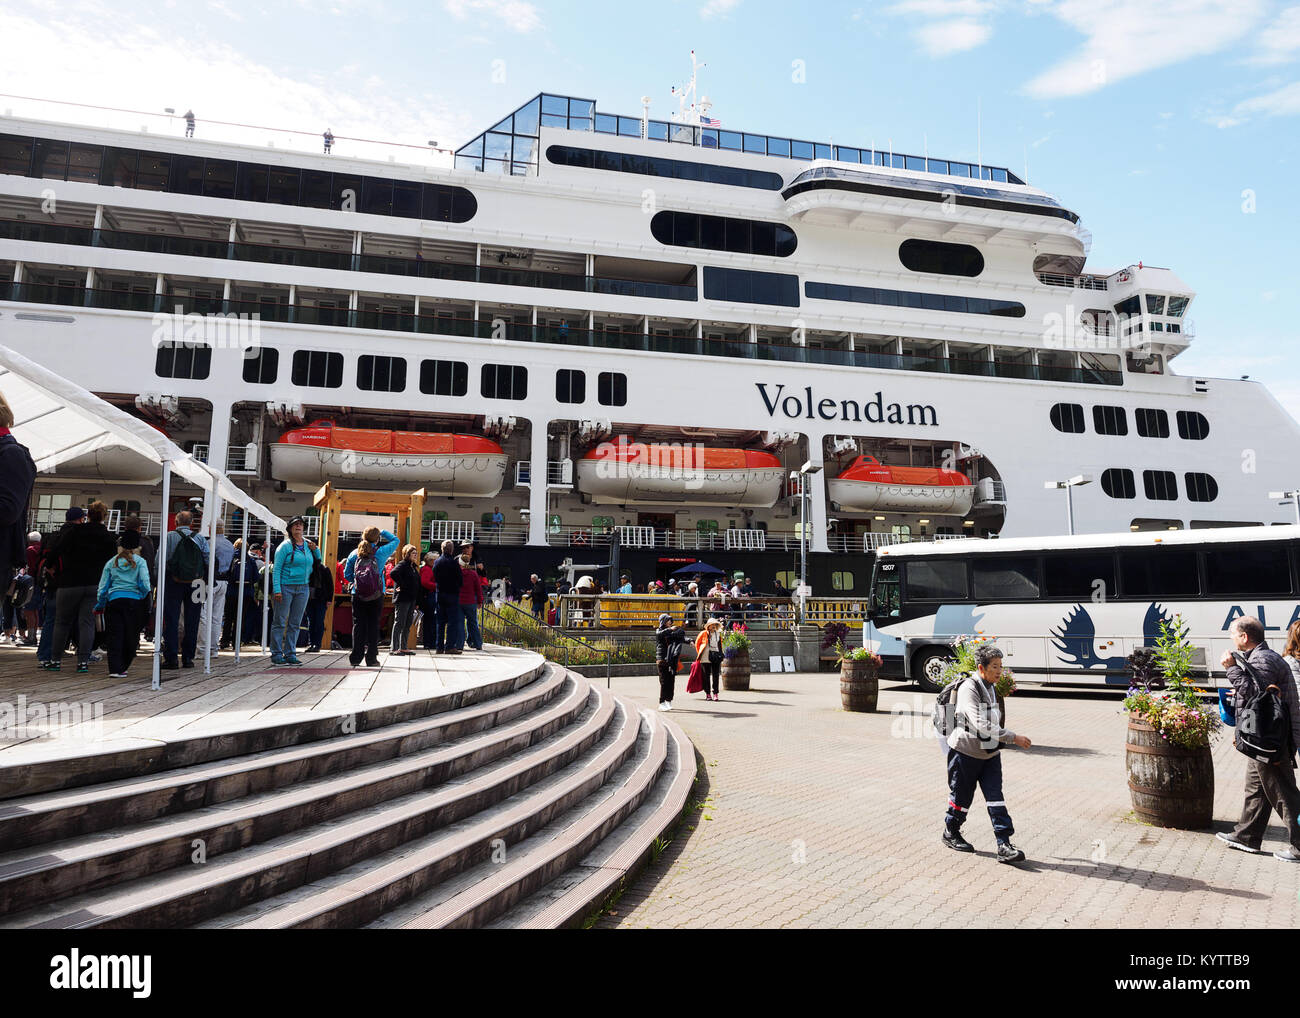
point(702, 568)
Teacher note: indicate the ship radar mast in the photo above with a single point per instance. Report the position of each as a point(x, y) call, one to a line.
point(689, 110)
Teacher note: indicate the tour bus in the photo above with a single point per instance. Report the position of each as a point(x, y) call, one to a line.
point(1069, 610)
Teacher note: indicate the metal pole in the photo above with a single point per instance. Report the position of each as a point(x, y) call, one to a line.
point(212, 575)
point(243, 568)
point(162, 576)
point(803, 546)
point(266, 590)
point(1295, 501)
point(1069, 508)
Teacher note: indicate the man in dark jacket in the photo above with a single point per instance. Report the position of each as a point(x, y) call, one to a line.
point(83, 550)
point(448, 632)
point(17, 476)
point(537, 594)
point(668, 651)
point(1269, 786)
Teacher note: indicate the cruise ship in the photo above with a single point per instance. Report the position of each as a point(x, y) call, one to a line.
point(698, 343)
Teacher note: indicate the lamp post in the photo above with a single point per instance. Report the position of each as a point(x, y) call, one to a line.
point(1068, 484)
point(807, 470)
point(1294, 496)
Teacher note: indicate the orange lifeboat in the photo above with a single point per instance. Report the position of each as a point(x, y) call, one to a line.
point(445, 463)
point(623, 471)
point(868, 484)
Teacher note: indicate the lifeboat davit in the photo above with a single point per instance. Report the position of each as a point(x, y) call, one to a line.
point(445, 463)
point(868, 484)
point(624, 471)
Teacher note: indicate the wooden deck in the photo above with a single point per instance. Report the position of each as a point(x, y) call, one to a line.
point(55, 713)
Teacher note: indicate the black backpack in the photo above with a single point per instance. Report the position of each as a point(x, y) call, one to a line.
point(186, 564)
point(1263, 721)
point(945, 707)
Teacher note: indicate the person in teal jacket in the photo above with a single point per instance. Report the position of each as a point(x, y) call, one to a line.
point(123, 595)
point(291, 570)
point(384, 544)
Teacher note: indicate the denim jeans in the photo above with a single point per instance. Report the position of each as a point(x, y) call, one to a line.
point(450, 632)
point(470, 634)
point(288, 616)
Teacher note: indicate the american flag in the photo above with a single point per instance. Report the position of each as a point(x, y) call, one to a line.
point(710, 122)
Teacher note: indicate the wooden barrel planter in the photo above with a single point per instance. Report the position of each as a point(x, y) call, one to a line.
point(735, 671)
point(859, 686)
point(1170, 786)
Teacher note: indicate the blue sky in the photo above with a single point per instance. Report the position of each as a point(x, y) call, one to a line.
point(1161, 123)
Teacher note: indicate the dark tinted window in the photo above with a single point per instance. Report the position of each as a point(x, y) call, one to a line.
point(153, 171)
point(15, 155)
point(1201, 487)
point(718, 233)
point(381, 374)
point(1129, 306)
point(1151, 423)
point(1247, 569)
point(1158, 572)
point(746, 287)
point(936, 580)
point(504, 381)
point(317, 368)
point(680, 169)
point(937, 256)
point(570, 386)
point(50, 159)
point(1192, 425)
point(185, 175)
point(995, 578)
point(1109, 420)
point(1117, 482)
point(611, 388)
point(1160, 485)
point(183, 360)
point(910, 299)
point(1077, 576)
point(117, 169)
point(283, 187)
point(444, 378)
point(1067, 417)
point(261, 365)
point(84, 163)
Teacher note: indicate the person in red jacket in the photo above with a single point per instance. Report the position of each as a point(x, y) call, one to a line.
point(471, 596)
point(429, 601)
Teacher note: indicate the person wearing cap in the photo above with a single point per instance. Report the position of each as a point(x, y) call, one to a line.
point(295, 558)
point(82, 551)
point(123, 592)
point(626, 588)
point(708, 651)
point(668, 651)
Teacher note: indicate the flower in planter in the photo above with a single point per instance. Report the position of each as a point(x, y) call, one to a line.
point(1162, 695)
point(963, 664)
point(736, 641)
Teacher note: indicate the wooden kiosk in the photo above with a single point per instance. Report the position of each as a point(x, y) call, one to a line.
point(333, 502)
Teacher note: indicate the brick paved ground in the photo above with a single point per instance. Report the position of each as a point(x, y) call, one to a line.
point(815, 817)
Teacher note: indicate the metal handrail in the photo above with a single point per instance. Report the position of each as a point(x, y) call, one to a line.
point(542, 635)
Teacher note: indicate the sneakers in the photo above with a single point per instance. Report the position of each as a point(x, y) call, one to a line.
point(117, 675)
point(956, 842)
point(1008, 852)
point(96, 658)
point(169, 666)
point(83, 666)
point(274, 660)
point(665, 706)
point(1286, 855)
point(292, 659)
point(51, 666)
point(1232, 841)
point(373, 664)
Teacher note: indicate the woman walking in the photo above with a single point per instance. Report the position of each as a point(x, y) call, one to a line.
point(123, 596)
point(367, 579)
point(406, 579)
point(668, 650)
point(708, 651)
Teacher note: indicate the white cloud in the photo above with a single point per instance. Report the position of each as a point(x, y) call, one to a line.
point(718, 8)
point(225, 11)
point(1280, 41)
point(947, 37)
point(951, 26)
point(1282, 102)
point(517, 15)
point(1124, 38)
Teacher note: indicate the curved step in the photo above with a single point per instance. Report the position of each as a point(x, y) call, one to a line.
point(130, 757)
point(183, 897)
point(361, 895)
point(57, 870)
point(53, 816)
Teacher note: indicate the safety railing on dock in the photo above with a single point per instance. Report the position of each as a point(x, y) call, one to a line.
point(511, 626)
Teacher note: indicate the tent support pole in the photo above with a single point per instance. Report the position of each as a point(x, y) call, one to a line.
point(243, 568)
point(162, 577)
point(266, 592)
point(214, 501)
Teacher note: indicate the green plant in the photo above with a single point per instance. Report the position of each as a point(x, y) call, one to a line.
point(1177, 712)
point(856, 654)
point(834, 634)
point(736, 641)
point(963, 664)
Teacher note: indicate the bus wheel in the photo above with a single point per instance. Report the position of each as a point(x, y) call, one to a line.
point(928, 667)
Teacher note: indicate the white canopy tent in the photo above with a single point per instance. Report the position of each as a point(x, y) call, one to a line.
point(57, 420)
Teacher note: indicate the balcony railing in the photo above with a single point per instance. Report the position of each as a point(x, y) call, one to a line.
point(732, 540)
point(758, 613)
point(1073, 282)
point(559, 473)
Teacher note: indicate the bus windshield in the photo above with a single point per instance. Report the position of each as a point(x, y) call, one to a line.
point(884, 590)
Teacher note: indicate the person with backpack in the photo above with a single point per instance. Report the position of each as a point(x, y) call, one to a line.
point(122, 595)
point(367, 579)
point(186, 576)
point(322, 592)
point(974, 755)
point(383, 545)
point(1267, 711)
point(406, 597)
point(668, 652)
point(449, 632)
point(82, 550)
point(295, 559)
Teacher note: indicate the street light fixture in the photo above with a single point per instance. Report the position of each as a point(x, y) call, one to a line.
point(807, 470)
point(1294, 496)
point(1068, 484)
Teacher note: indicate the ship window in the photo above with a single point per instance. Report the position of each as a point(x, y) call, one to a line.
point(1159, 572)
point(841, 581)
point(183, 360)
point(15, 155)
point(1160, 485)
point(318, 369)
point(504, 381)
point(1005, 579)
point(252, 181)
point(939, 257)
point(1246, 569)
point(1177, 305)
point(1192, 424)
point(219, 178)
point(84, 163)
point(1155, 303)
point(381, 374)
point(185, 175)
point(444, 378)
point(936, 581)
point(679, 169)
point(1117, 482)
point(611, 389)
point(1078, 576)
point(261, 365)
point(284, 187)
point(786, 578)
point(1109, 420)
point(570, 386)
point(719, 233)
point(377, 196)
point(1129, 306)
point(746, 287)
point(154, 171)
point(1201, 487)
point(907, 298)
point(1151, 423)
point(118, 169)
point(316, 190)
point(1068, 417)
point(50, 159)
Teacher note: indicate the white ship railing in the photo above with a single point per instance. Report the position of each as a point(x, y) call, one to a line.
point(1074, 282)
